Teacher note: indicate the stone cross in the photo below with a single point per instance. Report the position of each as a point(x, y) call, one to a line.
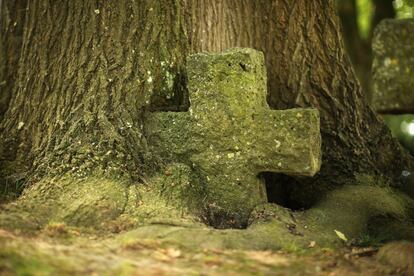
point(393, 66)
point(230, 134)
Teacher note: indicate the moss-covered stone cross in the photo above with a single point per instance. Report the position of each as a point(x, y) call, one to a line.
point(393, 66)
point(230, 134)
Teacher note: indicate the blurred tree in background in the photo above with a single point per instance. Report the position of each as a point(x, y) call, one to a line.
point(404, 8)
point(402, 128)
point(359, 19)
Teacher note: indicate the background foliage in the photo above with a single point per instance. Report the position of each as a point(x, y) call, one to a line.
point(402, 126)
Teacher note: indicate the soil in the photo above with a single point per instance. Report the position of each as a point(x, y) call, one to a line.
point(62, 250)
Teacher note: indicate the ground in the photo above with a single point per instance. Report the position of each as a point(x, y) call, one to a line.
point(68, 251)
point(104, 231)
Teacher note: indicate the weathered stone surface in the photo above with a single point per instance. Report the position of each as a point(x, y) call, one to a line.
point(393, 66)
point(398, 254)
point(230, 135)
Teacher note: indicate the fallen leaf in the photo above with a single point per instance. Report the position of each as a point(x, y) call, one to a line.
point(160, 256)
point(266, 257)
point(341, 235)
point(312, 244)
point(173, 253)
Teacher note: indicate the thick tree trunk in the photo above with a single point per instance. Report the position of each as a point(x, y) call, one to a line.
point(12, 16)
point(358, 48)
point(88, 71)
point(12, 19)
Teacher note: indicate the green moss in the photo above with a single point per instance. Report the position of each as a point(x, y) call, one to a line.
point(230, 135)
point(180, 187)
point(162, 220)
point(13, 262)
point(352, 209)
point(171, 197)
point(34, 256)
point(88, 203)
point(399, 255)
point(166, 209)
point(12, 181)
point(27, 259)
point(272, 228)
point(123, 269)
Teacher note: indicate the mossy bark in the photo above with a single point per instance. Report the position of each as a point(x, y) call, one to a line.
point(12, 19)
point(89, 71)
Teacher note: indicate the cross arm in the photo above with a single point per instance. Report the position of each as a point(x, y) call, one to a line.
point(289, 142)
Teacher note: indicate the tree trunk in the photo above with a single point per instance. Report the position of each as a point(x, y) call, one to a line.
point(383, 9)
point(12, 19)
point(12, 16)
point(89, 70)
point(358, 47)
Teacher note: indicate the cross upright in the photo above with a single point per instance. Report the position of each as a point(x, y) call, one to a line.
point(230, 135)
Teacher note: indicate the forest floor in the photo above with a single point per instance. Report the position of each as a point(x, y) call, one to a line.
point(60, 250)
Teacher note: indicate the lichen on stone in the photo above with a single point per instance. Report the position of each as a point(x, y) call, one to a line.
point(393, 66)
point(230, 134)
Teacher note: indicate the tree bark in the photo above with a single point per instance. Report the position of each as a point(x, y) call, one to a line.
point(89, 70)
point(12, 16)
point(12, 20)
point(358, 48)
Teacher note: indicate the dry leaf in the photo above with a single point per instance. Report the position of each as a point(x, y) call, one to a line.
point(160, 256)
point(266, 257)
point(341, 235)
point(173, 253)
point(312, 244)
